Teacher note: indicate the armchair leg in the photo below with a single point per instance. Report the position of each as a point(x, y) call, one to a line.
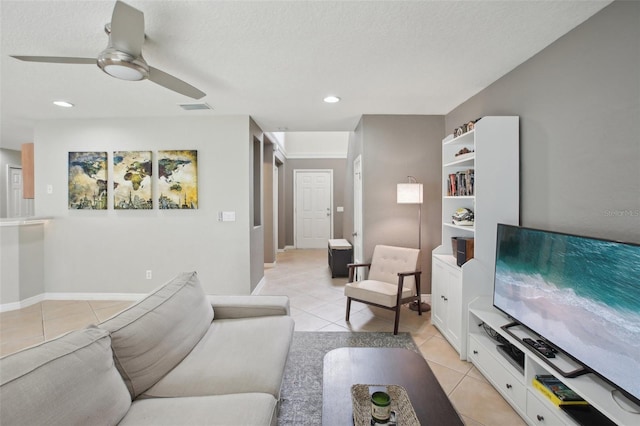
point(348, 308)
point(395, 325)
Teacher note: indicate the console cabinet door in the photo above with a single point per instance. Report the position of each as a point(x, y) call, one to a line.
point(446, 297)
point(454, 307)
point(438, 294)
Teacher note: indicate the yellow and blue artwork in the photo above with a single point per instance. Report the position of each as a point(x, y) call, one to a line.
point(178, 179)
point(132, 180)
point(87, 180)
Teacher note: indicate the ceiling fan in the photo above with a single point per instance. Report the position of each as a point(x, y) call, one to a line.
point(123, 56)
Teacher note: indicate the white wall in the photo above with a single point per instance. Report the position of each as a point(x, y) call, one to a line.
point(109, 251)
point(316, 144)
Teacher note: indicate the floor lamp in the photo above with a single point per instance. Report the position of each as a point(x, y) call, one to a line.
point(412, 193)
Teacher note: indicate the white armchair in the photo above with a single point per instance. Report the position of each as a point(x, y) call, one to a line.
point(394, 279)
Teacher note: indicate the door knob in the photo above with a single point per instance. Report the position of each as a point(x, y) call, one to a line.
point(355, 234)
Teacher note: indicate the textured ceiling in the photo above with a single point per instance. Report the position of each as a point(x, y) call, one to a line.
point(274, 60)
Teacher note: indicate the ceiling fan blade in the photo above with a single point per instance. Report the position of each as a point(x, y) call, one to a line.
point(127, 29)
point(56, 59)
point(174, 83)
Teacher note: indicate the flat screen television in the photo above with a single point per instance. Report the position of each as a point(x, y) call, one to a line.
point(580, 294)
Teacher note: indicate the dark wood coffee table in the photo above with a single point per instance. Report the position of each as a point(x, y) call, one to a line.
point(344, 367)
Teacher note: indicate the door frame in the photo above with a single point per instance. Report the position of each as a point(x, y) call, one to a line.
point(276, 212)
point(26, 205)
point(297, 172)
point(358, 240)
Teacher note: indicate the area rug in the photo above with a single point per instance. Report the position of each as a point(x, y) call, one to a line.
point(301, 396)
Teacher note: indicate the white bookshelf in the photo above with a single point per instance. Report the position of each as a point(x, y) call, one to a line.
point(494, 158)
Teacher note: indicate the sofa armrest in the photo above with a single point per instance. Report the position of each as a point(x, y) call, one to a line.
point(225, 307)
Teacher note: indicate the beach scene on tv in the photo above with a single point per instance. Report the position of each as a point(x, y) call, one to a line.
point(580, 294)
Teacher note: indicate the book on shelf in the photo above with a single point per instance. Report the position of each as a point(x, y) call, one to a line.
point(461, 183)
point(556, 391)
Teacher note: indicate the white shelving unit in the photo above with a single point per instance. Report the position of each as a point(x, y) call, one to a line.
point(494, 143)
point(516, 386)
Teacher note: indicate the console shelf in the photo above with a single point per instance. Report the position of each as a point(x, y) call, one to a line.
point(517, 388)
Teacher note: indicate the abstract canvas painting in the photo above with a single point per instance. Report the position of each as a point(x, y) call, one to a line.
point(132, 180)
point(87, 180)
point(178, 179)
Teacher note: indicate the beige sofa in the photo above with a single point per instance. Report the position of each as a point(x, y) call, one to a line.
point(177, 357)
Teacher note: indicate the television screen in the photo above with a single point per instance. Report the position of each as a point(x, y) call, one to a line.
point(580, 294)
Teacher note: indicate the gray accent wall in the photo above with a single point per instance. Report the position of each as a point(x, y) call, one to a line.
point(578, 102)
point(394, 147)
point(338, 165)
point(268, 205)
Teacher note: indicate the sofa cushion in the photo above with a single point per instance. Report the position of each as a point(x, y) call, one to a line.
point(70, 380)
point(235, 356)
point(151, 337)
point(222, 410)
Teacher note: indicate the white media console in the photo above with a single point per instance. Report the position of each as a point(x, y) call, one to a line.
point(517, 386)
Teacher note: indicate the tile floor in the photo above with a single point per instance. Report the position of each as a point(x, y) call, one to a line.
point(317, 304)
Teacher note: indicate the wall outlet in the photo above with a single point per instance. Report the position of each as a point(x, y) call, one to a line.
point(49, 189)
point(148, 275)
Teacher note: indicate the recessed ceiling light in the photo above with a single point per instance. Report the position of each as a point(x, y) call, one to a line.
point(63, 104)
point(332, 99)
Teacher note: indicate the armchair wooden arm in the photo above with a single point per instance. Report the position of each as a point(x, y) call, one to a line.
point(352, 269)
point(407, 274)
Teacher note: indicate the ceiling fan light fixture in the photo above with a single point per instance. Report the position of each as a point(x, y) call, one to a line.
point(122, 65)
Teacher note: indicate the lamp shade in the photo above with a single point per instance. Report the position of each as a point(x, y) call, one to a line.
point(410, 193)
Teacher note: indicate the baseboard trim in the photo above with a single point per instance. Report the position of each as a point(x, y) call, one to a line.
point(70, 296)
point(258, 288)
point(95, 296)
point(289, 248)
point(5, 307)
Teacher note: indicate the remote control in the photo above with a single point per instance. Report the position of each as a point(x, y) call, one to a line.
point(540, 346)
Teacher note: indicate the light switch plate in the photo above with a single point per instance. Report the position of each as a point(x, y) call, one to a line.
point(227, 216)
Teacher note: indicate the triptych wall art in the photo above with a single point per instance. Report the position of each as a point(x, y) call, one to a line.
point(88, 180)
point(133, 180)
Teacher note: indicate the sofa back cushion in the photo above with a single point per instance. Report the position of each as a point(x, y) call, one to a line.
point(70, 380)
point(151, 337)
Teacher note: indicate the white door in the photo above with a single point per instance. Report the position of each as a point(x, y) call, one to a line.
point(313, 213)
point(357, 212)
point(17, 206)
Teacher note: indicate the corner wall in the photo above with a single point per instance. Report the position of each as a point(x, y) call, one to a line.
point(579, 105)
point(394, 147)
point(109, 251)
